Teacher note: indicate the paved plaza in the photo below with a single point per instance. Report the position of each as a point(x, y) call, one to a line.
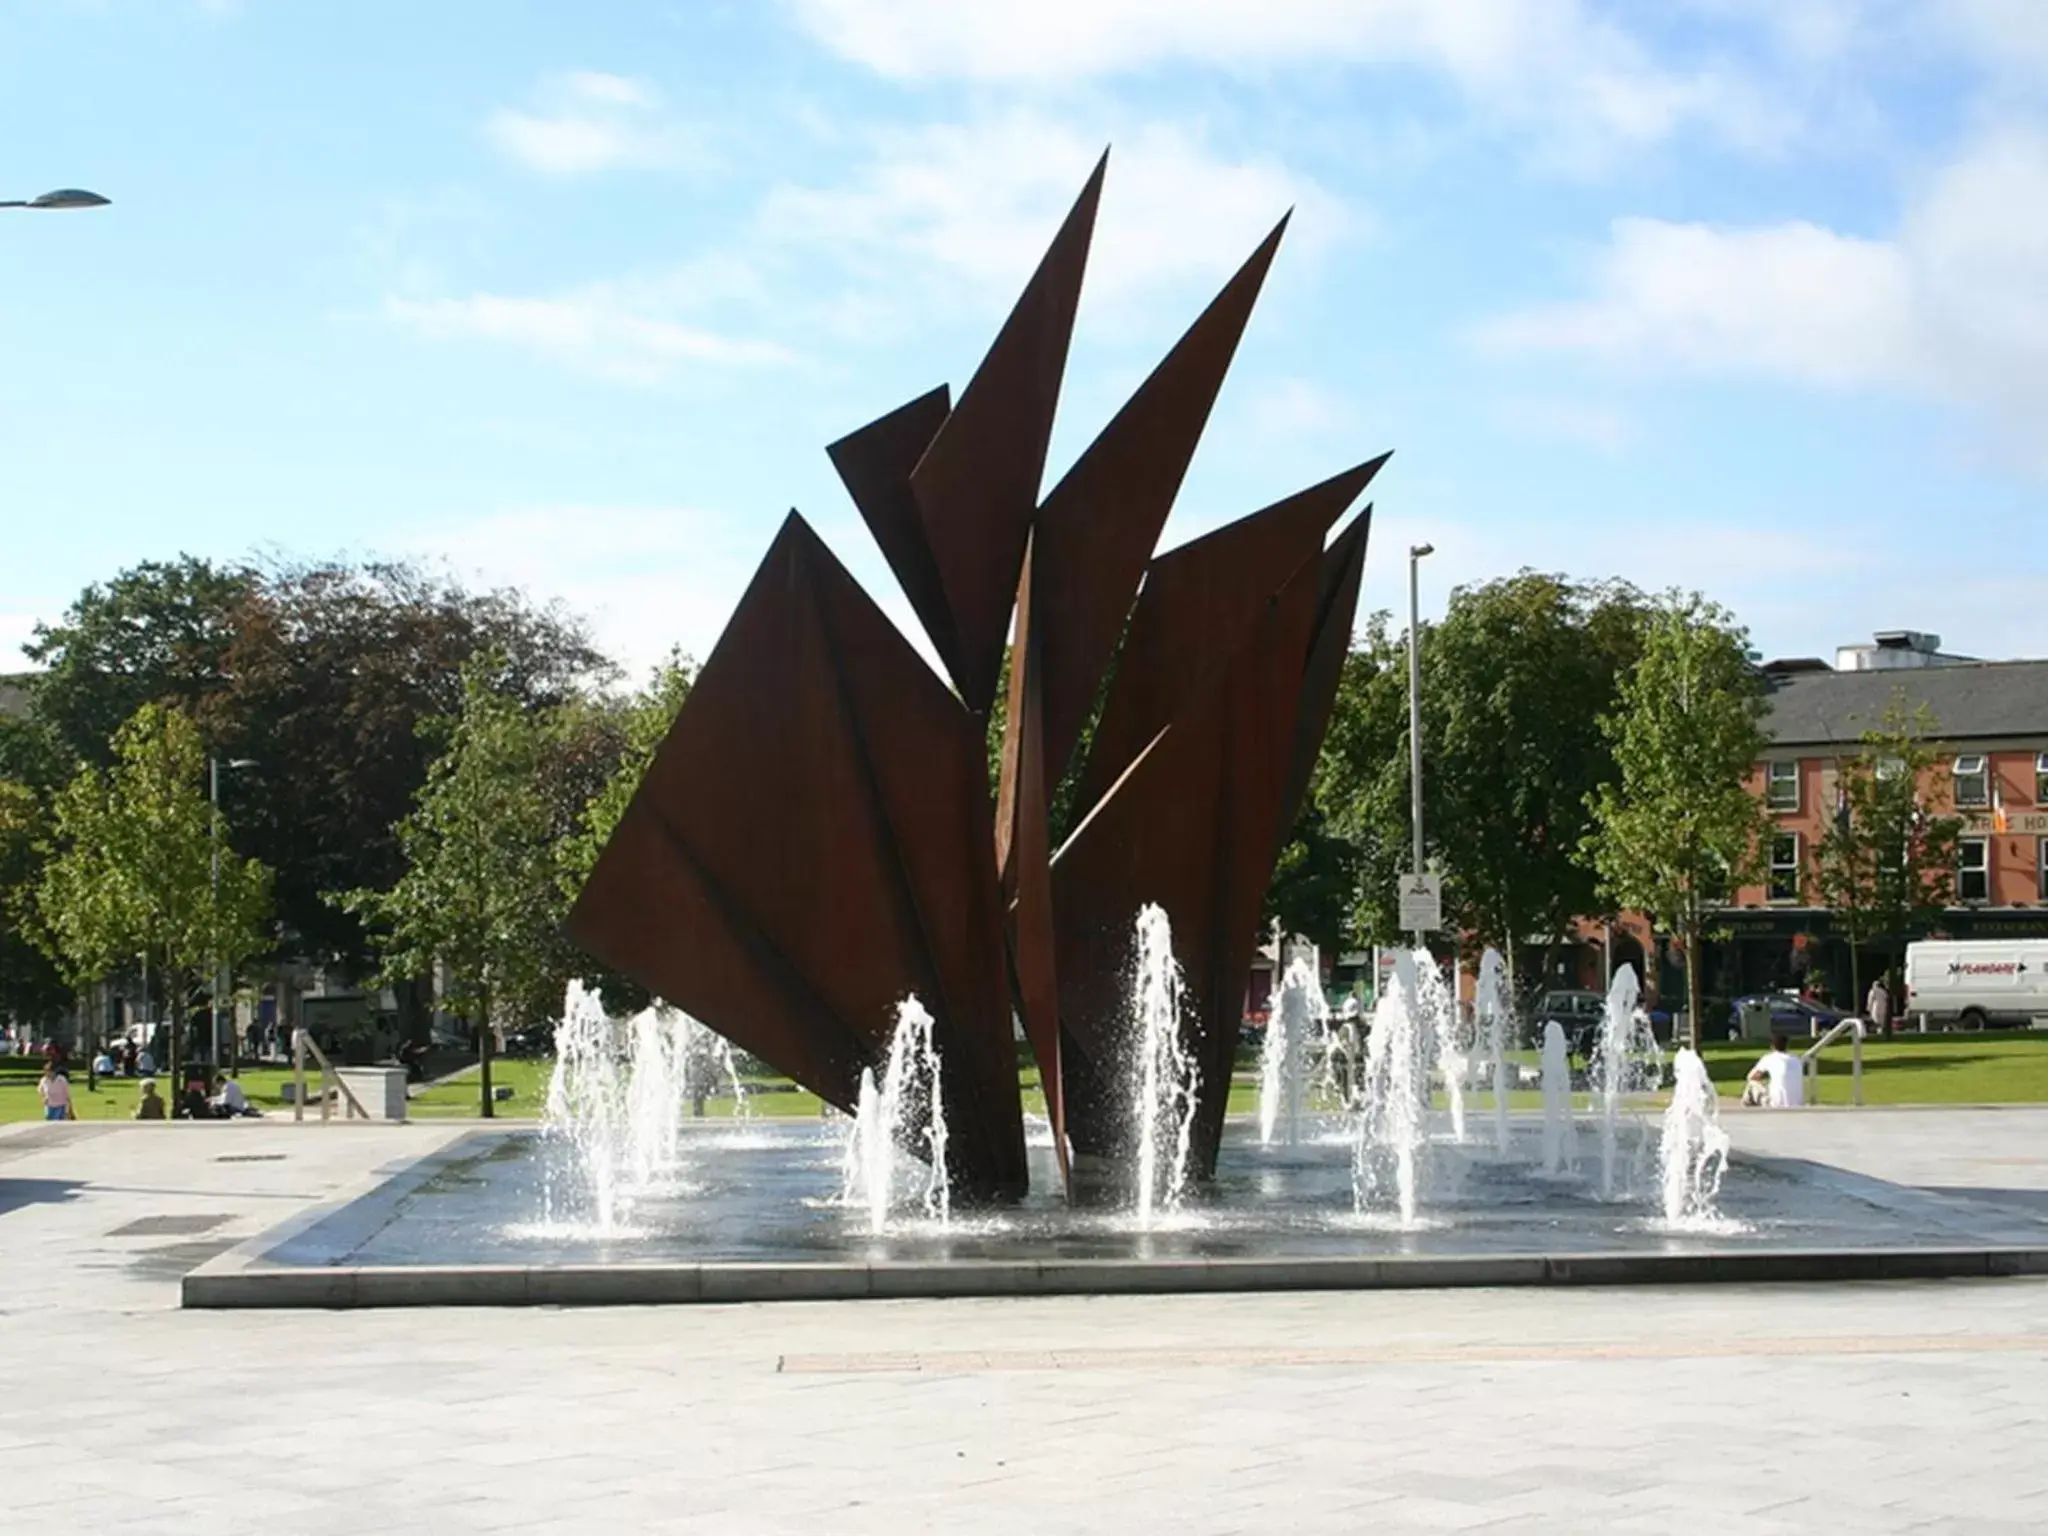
point(1869, 1407)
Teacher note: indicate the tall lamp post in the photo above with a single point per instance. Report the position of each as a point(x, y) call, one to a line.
point(63, 197)
point(1415, 556)
point(213, 768)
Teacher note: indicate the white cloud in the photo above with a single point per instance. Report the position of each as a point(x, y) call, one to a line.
point(16, 630)
point(603, 329)
point(979, 200)
point(1952, 306)
point(590, 121)
point(1300, 408)
point(1588, 422)
point(1554, 68)
point(648, 579)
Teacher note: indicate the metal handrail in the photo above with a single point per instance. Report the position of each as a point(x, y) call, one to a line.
point(330, 1083)
point(1809, 1062)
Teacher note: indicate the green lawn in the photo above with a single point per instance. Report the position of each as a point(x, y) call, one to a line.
point(1994, 1067)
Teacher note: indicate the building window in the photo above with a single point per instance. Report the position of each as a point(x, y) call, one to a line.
point(1973, 869)
point(1785, 867)
point(2041, 859)
point(1973, 781)
point(1781, 786)
point(2041, 778)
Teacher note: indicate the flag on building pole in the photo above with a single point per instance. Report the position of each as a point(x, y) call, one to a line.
point(1998, 821)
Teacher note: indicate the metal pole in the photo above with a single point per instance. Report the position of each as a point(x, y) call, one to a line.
point(213, 908)
point(1415, 554)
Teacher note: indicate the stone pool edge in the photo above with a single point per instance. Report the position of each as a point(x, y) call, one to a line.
point(239, 1279)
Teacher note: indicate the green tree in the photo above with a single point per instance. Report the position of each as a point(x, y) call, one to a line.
point(319, 674)
point(32, 989)
point(158, 633)
point(1515, 680)
point(131, 872)
point(1680, 828)
point(482, 892)
point(1885, 867)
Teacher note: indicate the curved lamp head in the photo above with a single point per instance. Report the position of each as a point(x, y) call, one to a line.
point(67, 197)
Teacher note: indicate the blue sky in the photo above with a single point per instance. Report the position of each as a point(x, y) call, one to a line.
point(1749, 295)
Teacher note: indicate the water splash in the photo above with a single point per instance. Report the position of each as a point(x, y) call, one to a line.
point(1298, 1015)
point(654, 1094)
point(1625, 1061)
point(906, 1110)
point(1494, 1012)
point(1164, 1091)
point(1391, 1127)
point(1439, 1006)
point(710, 1064)
point(586, 1116)
point(1560, 1135)
point(1693, 1152)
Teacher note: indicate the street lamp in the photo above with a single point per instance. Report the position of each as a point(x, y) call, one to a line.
point(63, 197)
point(213, 768)
point(1415, 555)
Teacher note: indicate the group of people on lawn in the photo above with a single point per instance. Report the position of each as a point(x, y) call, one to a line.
point(204, 1097)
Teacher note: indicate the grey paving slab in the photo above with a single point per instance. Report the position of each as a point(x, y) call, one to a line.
point(1888, 1406)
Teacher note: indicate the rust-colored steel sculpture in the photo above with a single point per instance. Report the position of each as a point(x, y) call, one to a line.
point(816, 837)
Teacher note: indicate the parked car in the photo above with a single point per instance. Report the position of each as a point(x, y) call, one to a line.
point(1789, 1014)
point(1578, 1014)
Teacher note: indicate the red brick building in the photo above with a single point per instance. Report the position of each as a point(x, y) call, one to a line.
point(1991, 726)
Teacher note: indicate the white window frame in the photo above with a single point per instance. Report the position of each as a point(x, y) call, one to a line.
point(1962, 769)
point(1981, 869)
point(2041, 868)
point(1772, 871)
point(2041, 778)
point(1772, 781)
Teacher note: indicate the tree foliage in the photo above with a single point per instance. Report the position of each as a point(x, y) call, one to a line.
point(318, 674)
point(1679, 829)
point(132, 874)
point(32, 989)
point(1514, 682)
point(1886, 864)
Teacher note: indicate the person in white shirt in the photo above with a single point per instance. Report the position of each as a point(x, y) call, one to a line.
point(1778, 1080)
point(230, 1101)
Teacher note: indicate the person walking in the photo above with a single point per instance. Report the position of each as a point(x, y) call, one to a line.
point(54, 1088)
point(1878, 1007)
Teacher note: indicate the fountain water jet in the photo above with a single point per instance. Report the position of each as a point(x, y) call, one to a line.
point(1392, 1125)
point(1165, 1070)
point(654, 1093)
point(1625, 1060)
point(1494, 1013)
point(1439, 1006)
point(1560, 1136)
point(1299, 1011)
point(904, 1110)
point(1693, 1152)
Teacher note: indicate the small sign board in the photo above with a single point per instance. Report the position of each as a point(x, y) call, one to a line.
point(1422, 903)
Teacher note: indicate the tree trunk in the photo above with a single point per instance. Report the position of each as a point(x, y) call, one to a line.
point(1692, 982)
point(176, 1020)
point(483, 1057)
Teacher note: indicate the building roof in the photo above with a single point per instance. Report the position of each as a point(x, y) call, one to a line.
point(13, 696)
point(1969, 701)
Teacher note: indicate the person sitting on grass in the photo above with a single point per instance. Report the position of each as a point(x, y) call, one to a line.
point(1778, 1080)
point(151, 1105)
point(230, 1101)
point(192, 1104)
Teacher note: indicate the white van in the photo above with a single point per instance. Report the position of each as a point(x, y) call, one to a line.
point(1977, 982)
